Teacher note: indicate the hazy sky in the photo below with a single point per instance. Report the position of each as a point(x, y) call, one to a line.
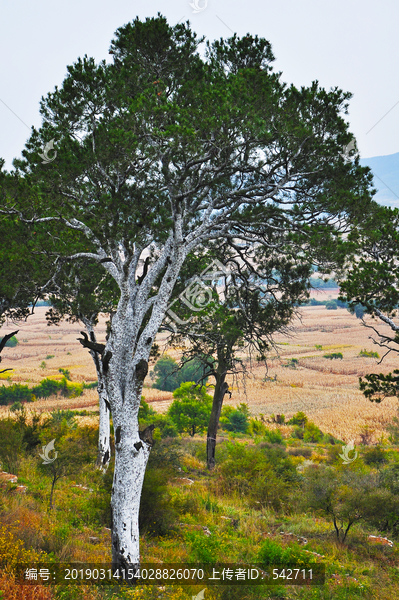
point(352, 44)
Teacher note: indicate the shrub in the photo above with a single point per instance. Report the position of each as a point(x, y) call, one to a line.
point(66, 373)
point(366, 434)
point(374, 456)
point(298, 419)
point(16, 406)
point(271, 553)
point(49, 356)
point(331, 305)
point(274, 436)
point(47, 387)
point(58, 416)
point(169, 377)
point(280, 419)
point(297, 433)
point(191, 409)
point(30, 431)
point(334, 355)
point(369, 354)
point(235, 419)
point(312, 433)
point(145, 410)
point(256, 427)
point(15, 393)
point(292, 363)
point(305, 452)
point(345, 497)
point(12, 445)
point(165, 427)
point(203, 549)
point(318, 347)
point(262, 473)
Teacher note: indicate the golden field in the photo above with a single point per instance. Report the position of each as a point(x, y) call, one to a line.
point(326, 390)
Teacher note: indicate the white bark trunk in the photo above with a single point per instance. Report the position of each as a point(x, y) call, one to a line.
point(104, 433)
point(124, 367)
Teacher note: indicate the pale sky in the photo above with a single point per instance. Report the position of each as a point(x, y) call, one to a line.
point(352, 44)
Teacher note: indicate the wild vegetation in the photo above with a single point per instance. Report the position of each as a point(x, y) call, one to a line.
point(271, 499)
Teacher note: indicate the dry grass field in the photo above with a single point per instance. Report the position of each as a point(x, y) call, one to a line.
point(326, 390)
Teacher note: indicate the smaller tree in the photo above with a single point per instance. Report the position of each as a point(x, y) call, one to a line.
point(235, 419)
point(73, 450)
point(346, 497)
point(370, 281)
point(169, 374)
point(191, 409)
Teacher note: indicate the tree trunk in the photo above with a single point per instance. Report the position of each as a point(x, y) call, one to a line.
point(104, 433)
point(131, 457)
point(54, 481)
point(124, 368)
point(221, 389)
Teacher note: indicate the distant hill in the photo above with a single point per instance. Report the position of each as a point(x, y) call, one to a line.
point(386, 178)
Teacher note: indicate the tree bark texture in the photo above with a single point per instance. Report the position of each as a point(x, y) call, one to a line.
point(221, 388)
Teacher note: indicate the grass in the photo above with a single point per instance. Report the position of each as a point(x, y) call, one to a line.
point(239, 528)
point(327, 391)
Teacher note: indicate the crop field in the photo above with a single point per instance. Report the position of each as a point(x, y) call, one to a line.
point(297, 376)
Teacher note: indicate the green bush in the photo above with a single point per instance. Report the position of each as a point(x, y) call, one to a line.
point(203, 549)
point(15, 393)
point(369, 354)
point(274, 436)
point(66, 373)
point(312, 433)
point(271, 553)
point(297, 433)
point(165, 427)
point(298, 419)
point(334, 355)
point(280, 419)
point(344, 496)
point(45, 389)
point(145, 410)
point(264, 474)
point(169, 378)
point(256, 427)
point(375, 456)
point(292, 363)
point(12, 446)
point(235, 419)
point(58, 416)
point(305, 452)
point(331, 305)
point(191, 409)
